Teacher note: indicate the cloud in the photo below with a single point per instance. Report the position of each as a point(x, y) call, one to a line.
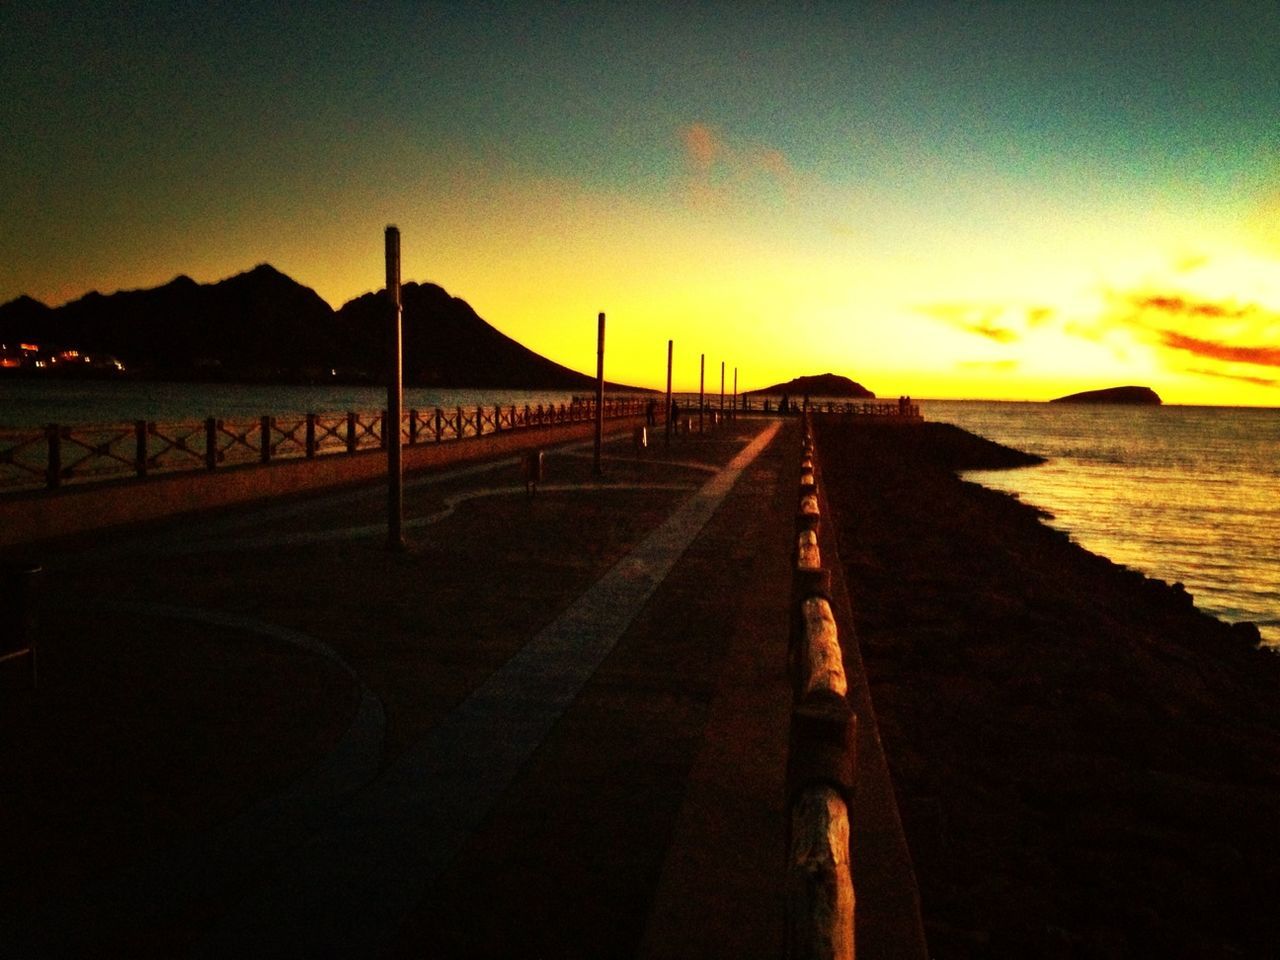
point(1039, 316)
point(1243, 378)
point(717, 163)
point(1216, 350)
point(971, 318)
point(702, 146)
point(1199, 309)
point(997, 366)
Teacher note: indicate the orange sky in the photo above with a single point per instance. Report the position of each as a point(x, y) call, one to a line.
point(988, 202)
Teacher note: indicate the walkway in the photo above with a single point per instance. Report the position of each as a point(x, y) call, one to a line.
point(554, 727)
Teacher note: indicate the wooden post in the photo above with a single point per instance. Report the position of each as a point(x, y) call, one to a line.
point(395, 394)
point(311, 436)
point(735, 393)
point(264, 440)
point(599, 439)
point(351, 431)
point(140, 447)
point(413, 427)
point(53, 439)
point(702, 389)
point(479, 421)
point(459, 431)
point(439, 425)
point(210, 443)
point(721, 389)
point(670, 346)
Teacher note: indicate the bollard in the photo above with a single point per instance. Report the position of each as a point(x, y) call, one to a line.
point(532, 466)
point(640, 440)
point(808, 557)
point(140, 447)
point(819, 662)
point(820, 901)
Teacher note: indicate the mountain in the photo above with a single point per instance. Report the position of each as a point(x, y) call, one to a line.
point(261, 325)
point(822, 385)
point(447, 345)
point(1140, 396)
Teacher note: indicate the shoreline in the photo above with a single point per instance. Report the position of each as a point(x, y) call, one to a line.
point(1085, 763)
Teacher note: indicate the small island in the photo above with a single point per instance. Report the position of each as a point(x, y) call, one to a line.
point(1137, 396)
point(822, 385)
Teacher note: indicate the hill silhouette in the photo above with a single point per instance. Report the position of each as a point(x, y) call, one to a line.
point(821, 385)
point(1142, 396)
point(263, 326)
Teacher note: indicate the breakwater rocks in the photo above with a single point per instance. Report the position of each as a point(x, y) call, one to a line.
point(1086, 765)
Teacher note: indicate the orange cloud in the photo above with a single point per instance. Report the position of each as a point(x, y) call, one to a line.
point(713, 157)
point(1215, 350)
point(1180, 306)
point(702, 145)
point(1243, 378)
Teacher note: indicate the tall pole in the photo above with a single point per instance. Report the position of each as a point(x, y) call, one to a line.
point(599, 390)
point(735, 393)
point(395, 396)
point(670, 344)
point(721, 389)
point(702, 389)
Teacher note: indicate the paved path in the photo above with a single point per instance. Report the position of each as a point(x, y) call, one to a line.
point(352, 885)
point(655, 678)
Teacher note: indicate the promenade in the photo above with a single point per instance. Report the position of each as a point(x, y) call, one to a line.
point(556, 725)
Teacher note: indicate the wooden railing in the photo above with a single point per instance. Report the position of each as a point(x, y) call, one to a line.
point(821, 756)
point(57, 454)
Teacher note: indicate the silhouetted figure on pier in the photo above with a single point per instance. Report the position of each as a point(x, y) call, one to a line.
point(651, 413)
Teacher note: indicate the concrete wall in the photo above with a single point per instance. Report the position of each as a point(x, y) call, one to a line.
point(44, 515)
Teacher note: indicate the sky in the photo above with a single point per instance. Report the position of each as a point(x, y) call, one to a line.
point(1004, 200)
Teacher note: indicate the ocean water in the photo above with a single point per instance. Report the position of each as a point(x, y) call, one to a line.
point(1186, 494)
point(28, 402)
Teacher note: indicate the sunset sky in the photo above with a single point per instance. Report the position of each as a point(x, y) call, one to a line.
point(946, 200)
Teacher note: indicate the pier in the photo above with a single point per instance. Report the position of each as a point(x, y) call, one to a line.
point(559, 723)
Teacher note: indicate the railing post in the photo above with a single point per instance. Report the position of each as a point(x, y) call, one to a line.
point(53, 438)
point(439, 425)
point(210, 443)
point(382, 432)
point(459, 425)
point(479, 421)
point(140, 447)
point(311, 436)
point(413, 427)
point(351, 431)
point(265, 427)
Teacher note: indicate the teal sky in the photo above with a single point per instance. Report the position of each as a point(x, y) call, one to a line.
point(138, 141)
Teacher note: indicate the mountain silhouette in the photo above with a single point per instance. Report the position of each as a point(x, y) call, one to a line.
point(1140, 396)
point(261, 325)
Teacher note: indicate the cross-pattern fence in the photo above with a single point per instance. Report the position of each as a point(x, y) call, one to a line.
point(58, 455)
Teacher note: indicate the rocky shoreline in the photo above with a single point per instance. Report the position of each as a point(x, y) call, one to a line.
point(1086, 765)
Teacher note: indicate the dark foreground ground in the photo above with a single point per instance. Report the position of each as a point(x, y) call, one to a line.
point(1086, 765)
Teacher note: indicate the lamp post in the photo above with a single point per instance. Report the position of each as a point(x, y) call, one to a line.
point(395, 396)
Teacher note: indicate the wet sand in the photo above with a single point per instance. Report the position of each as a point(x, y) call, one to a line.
point(1086, 765)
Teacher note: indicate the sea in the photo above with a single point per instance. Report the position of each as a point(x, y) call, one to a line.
point(1186, 494)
